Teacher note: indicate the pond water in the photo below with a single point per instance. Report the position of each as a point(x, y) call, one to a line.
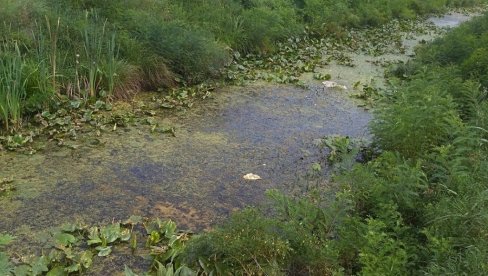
point(195, 178)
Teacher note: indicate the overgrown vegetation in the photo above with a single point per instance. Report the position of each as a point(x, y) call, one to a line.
point(418, 207)
point(90, 49)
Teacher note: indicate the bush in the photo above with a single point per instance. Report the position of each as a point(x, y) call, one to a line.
point(247, 245)
point(421, 117)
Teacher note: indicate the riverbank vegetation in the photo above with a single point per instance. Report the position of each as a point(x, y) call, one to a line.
point(417, 203)
point(89, 50)
point(418, 207)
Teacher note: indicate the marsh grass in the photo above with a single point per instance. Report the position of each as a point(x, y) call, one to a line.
point(12, 85)
point(93, 38)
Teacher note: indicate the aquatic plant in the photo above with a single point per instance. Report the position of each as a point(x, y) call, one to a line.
point(12, 85)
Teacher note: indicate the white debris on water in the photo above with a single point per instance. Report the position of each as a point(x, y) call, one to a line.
point(333, 84)
point(251, 176)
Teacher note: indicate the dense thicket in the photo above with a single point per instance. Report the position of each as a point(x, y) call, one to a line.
point(85, 48)
point(419, 207)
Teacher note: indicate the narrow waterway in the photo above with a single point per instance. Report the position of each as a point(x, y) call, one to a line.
point(195, 178)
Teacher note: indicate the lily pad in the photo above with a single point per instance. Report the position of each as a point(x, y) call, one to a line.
point(64, 239)
point(104, 250)
point(57, 271)
point(39, 265)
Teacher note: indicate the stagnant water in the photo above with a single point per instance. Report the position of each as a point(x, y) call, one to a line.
point(195, 178)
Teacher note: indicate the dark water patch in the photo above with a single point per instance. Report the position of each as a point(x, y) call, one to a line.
point(195, 178)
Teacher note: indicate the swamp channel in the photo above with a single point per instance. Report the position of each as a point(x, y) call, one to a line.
point(195, 177)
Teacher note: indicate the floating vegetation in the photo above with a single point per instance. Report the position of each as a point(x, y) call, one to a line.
point(72, 248)
point(343, 151)
point(6, 187)
point(307, 53)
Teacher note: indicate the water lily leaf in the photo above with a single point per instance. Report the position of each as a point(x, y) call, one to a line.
point(48, 115)
point(93, 237)
point(75, 104)
point(110, 233)
point(129, 272)
point(169, 228)
point(64, 239)
point(5, 265)
point(39, 265)
point(87, 116)
point(152, 226)
point(133, 220)
point(167, 105)
point(86, 259)
point(151, 121)
point(57, 256)
point(57, 271)
point(5, 239)
point(125, 235)
point(104, 250)
point(21, 270)
point(99, 104)
point(73, 268)
point(69, 227)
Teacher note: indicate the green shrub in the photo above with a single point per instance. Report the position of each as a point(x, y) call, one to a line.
point(420, 117)
point(382, 254)
point(324, 15)
point(247, 245)
point(194, 55)
point(476, 66)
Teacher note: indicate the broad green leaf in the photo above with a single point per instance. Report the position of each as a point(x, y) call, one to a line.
point(64, 239)
point(86, 259)
point(5, 265)
point(75, 104)
point(125, 235)
point(5, 239)
point(93, 237)
point(110, 232)
point(152, 226)
point(104, 250)
point(99, 104)
point(39, 265)
point(169, 229)
point(69, 227)
point(22, 270)
point(57, 271)
point(73, 268)
point(162, 271)
point(133, 220)
point(57, 256)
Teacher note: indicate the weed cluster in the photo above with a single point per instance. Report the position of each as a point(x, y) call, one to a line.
point(88, 49)
point(418, 207)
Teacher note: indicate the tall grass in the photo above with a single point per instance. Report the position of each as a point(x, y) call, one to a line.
point(93, 38)
point(12, 85)
point(160, 42)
